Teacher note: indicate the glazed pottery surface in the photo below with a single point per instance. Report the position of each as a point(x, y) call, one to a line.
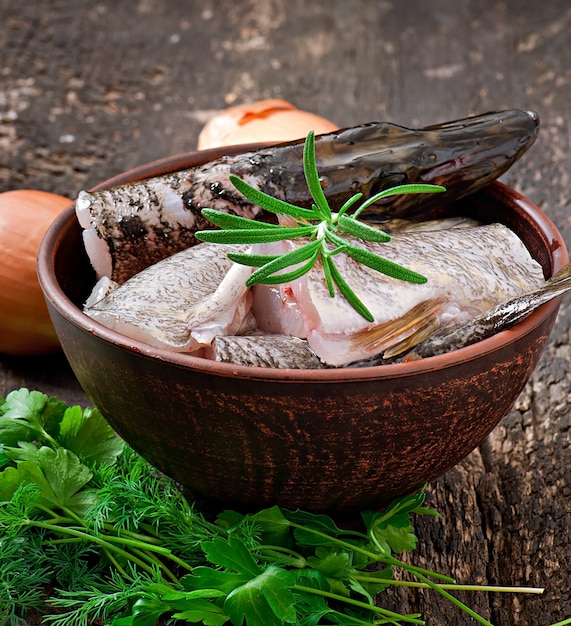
point(332, 440)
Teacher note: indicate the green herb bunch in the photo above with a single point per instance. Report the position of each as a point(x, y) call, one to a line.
point(91, 534)
point(324, 230)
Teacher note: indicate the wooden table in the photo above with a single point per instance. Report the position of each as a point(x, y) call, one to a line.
point(90, 89)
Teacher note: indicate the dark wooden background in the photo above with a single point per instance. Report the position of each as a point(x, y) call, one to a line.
point(91, 88)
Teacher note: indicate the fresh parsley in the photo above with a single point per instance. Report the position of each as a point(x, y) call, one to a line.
point(91, 534)
point(325, 231)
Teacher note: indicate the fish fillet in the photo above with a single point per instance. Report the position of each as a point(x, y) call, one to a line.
point(469, 270)
point(180, 303)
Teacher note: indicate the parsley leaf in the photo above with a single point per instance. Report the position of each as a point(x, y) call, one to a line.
point(391, 529)
point(88, 435)
point(28, 415)
point(60, 477)
point(265, 600)
point(231, 554)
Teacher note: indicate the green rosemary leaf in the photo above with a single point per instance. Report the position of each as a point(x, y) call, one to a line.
point(269, 203)
point(374, 261)
point(251, 260)
point(399, 189)
point(358, 229)
point(349, 204)
point(286, 277)
point(384, 266)
point(312, 177)
point(227, 220)
point(348, 293)
point(268, 272)
point(257, 235)
point(326, 262)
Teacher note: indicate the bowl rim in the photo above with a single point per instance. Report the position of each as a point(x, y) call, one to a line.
point(57, 298)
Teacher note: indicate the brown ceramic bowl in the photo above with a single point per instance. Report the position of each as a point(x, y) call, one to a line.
point(334, 440)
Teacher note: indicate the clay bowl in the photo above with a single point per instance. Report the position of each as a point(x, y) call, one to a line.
point(336, 441)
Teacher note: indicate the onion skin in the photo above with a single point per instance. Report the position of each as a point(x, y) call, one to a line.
point(270, 120)
point(25, 326)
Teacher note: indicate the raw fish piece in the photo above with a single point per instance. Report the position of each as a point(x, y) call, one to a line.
point(180, 303)
point(282, 351)
point(469, 270)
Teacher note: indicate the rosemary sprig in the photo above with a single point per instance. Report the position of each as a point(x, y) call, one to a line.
point(323, 229)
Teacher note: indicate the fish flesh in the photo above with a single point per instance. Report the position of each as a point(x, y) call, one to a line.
point(276, 350)
point(400, 225)
point(180, 303)
point(187, 301)
point(132, 226)
point(488, 323)
point(469, 270)
point(283, 351)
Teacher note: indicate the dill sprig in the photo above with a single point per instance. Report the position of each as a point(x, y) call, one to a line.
point(324, 230)
point(91, 533)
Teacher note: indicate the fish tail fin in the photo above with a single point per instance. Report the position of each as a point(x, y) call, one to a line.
point(497, 318)
point(556, 286)
point(560, 279)
point(508, 313)
point(402, 333)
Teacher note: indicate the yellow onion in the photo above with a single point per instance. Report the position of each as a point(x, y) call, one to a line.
point(25, 326)
point(263, 121)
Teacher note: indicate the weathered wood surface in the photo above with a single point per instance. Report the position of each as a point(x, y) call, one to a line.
point(89, 89)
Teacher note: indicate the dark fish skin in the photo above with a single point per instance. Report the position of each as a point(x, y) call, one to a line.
point(496, 319)
point(462, 155)
point(138, 224)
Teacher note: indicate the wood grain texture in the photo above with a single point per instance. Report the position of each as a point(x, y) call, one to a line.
point(88, 90)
